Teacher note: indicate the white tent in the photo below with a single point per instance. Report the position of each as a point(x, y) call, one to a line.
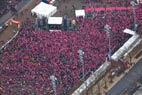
point(79, 13)
point(55, 23)
point(44, 10)
point(55, 20)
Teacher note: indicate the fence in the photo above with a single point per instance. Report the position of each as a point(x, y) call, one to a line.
point(102, 70)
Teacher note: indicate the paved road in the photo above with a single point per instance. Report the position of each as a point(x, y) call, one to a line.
point(9, 15)
point(128, 82)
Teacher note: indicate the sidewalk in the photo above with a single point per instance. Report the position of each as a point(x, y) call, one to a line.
point(128, 82)
point(129, 70)
point(8, 32)
point(20, 6)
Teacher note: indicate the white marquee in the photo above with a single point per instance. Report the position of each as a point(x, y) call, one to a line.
point(44, 10)
point(79, 13)
point(55, 20)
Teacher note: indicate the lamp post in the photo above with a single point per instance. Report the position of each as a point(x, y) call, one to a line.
point(134, 14)
point(81, 53)
point(107, 29)
point(53, 80)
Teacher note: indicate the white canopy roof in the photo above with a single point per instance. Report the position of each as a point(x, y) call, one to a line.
point(55, 20)
point(79, 13)
point(44, 10)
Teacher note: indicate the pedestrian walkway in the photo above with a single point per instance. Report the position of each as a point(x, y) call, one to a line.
point(128, 82)
point(8, 33)
point(7, 16)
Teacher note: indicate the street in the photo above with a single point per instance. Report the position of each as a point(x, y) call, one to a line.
point(128, 82)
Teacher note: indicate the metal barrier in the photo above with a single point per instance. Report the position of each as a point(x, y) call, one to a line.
point(102, 70)
point(93, 78)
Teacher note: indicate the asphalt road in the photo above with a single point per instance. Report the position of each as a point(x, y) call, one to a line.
point(5, 17)
point(128, 82)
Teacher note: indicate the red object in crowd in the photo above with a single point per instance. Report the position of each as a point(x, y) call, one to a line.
point(89, 10)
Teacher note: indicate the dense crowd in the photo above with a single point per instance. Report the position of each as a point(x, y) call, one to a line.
point(7, 5)
point(111, 3)
point(33, 56)
point(28, 61)
point(139, 15)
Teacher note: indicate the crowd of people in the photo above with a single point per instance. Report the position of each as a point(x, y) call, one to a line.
point(27, 63)
point(110, 3)
point(7, 5)
point(139, 15)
